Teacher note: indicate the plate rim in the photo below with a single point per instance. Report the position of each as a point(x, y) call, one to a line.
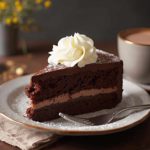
point(81, 132)
point(61, 131)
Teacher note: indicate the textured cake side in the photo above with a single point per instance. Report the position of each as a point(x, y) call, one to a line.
point(77, 106)
point(48, 84)
point(44, 87)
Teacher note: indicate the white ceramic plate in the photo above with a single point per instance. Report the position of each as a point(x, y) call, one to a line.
point(13, 103)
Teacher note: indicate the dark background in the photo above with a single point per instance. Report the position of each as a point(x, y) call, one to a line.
point(99, 19)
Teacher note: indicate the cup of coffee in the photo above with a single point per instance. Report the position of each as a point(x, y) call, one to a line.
point(134, 50)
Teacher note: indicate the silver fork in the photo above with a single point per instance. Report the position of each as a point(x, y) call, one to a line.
point(105, 118)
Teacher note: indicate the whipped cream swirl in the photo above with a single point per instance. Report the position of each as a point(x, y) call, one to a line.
point(71, 50)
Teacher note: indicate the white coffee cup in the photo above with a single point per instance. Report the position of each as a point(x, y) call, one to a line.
point(134, 50)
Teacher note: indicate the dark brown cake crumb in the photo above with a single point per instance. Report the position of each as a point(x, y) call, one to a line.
point(53, 81)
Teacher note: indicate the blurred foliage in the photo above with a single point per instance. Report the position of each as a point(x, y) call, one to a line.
point(19, 12)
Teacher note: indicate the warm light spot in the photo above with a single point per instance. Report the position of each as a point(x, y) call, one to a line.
point(19, 6)
point(9, 63)
point(38, 1)
point(3, 5)
point(19, 71)
point(15, 20)
point(8, 21)
point(47, 3)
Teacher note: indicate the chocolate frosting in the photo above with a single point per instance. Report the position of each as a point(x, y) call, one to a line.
point(104, 58)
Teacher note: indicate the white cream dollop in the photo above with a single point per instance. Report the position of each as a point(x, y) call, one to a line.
point(71, 50)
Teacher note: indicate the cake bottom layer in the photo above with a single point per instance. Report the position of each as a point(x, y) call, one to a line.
point(77, 106)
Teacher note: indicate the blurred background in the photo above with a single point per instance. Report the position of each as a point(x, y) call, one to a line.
point(99, 19)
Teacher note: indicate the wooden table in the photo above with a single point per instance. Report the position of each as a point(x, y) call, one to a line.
point(137, 138)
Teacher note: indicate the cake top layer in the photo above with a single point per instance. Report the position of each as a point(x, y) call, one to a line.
point(75, 52)
point(103, 58)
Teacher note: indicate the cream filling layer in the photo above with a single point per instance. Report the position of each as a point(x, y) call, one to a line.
point(65, 97)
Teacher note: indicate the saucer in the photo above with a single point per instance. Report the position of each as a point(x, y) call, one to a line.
point(142, 85)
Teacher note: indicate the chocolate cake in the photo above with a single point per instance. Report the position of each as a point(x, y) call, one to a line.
point(75, 90)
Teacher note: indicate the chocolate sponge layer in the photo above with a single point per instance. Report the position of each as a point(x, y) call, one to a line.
point(44, 87)
point(55, 80)
point(77, 106)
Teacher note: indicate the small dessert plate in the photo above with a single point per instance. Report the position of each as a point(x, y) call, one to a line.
point(13, 104)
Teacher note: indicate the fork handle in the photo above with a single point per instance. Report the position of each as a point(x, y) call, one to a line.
point(121, 110)
point(145, 106)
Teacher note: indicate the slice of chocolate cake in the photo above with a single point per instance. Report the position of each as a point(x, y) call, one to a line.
point(75, 86)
